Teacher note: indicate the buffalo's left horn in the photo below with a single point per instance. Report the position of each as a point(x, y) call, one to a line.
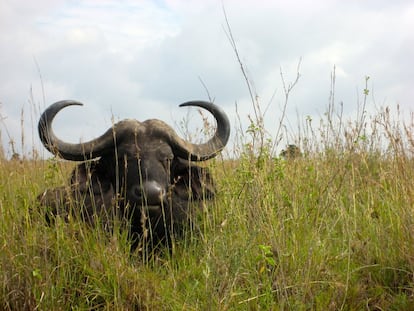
point(196, 152)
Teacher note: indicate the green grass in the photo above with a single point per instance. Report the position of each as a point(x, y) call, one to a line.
point(331, 230)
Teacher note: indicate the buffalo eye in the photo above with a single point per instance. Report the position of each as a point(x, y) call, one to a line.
point(165, 159)
point(166, 162)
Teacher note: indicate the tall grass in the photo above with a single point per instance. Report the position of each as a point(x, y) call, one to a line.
point(330, 230)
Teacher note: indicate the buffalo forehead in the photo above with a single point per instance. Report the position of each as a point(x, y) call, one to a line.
point(145, 147)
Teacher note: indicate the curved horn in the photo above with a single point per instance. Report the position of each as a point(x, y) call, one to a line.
point(75, 152)
point(198, 152)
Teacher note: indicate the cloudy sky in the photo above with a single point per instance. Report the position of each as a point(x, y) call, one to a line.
point(140, 59)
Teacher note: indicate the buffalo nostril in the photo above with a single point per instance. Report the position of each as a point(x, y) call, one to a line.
point(150, 193)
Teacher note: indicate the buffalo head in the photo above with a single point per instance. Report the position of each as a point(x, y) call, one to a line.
point(141, 171)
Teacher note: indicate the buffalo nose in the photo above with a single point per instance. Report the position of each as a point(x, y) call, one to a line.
point(150, 193)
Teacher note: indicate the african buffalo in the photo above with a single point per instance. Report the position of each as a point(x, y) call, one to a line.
point(142, 172)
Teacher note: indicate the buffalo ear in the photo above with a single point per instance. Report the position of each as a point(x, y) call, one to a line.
point(191, 180)
point(92, 190)
point(90, 177)
point(79, 178)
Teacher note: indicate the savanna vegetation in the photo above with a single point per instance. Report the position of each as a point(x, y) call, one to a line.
point(331, 228)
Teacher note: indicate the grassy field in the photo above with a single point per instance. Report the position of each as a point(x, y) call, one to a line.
point(330, 230)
